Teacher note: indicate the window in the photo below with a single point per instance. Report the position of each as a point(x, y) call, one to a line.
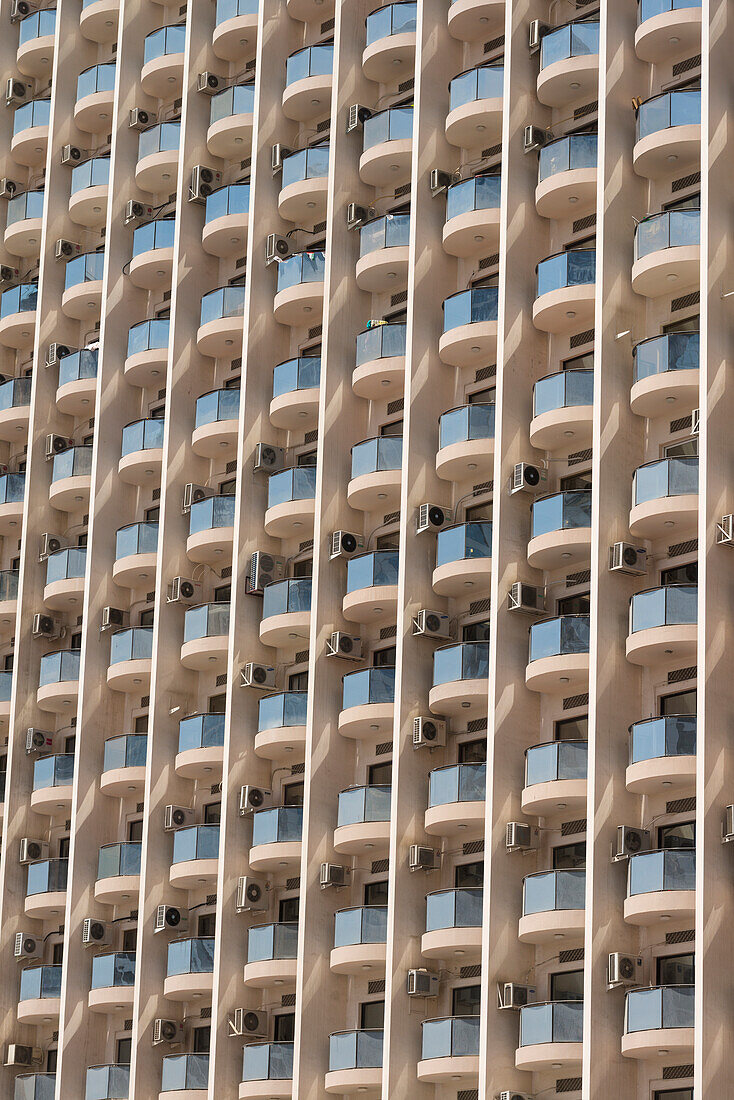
point(64, 845)
point(202, 1040)
point(388, 542)
point(140, 724)
point(57, 954)
point(569, 856)
point(579, 362)
point(576, 481)
point(687, 448)
point(475, 632)
point(123, 1050)
point(213, 813)
point(51, 1060)
point(207, 924)
point(308, 458)
point(469, 874)
point(482, 397)
point(380, 775)
point(293, 794)
point(375, 893)
point(372, 1014)
point(567, 986)
point(690, 202)
point(70, 744)
point(395, 428)
point(228, 488)
point(147, 617)
point(232, 383)
point(690, 324)
point(479, 512)
point(574, 605)
point(284, 1030)
point(473, 752)
point(680, 574)
point(681, 835)
point(223, 594)
point(152, 515)
point(135, 831)
point(288, 909)
point(303, 568)
point(682, 702)
point(571, 729)
point(82, 540)
point(385, 658)
point(158, 412)
point(8, 661)
point(129, 939)
point(217, 704)
point(76, 640)
point(298, 681)
point(676, 969)
point(465, 1000)
point(673, 1094)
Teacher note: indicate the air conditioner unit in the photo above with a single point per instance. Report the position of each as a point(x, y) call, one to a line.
point(96, 933)
point(422, 858)
point(210, 83)
point(512, 995)
point(23, 1056)
point(251, 895)
point(725, 531)
point(536, 31)
point(332, 874)
point(432, 517)
point(64, 250)
point(527, 478)
point(38, 740)
point(357, 115)
point(8, 274)
point(19, 9)
point(177, 817)
point(17, 92)
point(345, 646)
point(56, 352)
point(32, 850)
point(630, 841)
point(519, 836)
point(28, 946)
point(140, 118)
point(510, 1094)
point(254, 675)
point(624, 970)
point(439, 182)
point(534, 139)
point(269, 459)
point(278, 154)
point(170, 918)
point(71, 155)
point(428, 733)
point(45, 626)
point(431, 624)
point(345, 545)
point(422, 983)
point(167, 1031)
point(356, 215)
point(527, 598)
point(8, 188)
point(56, 445)
point(245, 1023)
point(728, 826)
point(113, 617)
point(182, 590)
point(276, 248)
point(265, 568)
point(204, 180)
point(194, 494)
point(254, 798)
point(625, 558)
point(135, 211)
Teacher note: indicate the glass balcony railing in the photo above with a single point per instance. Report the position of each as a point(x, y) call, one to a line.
point(574, 268)
point(136, 538)
point(301, 267)
point(80, 364)
point(371, 455)
point(669, 477)
point(208, 620)
point(671, 229)
point(670, 869)
point(47, 876)
point(106, 1082)
point(656, 738)
point(664, 1006)
point(195, 842)
point(372, 570)
point(311, 61)
point(91, 173)
point(465, 423)
point(84, 269)
point(390, 125)
point(66, 564)
point(238, 100)
point(212, 513)
point(184, 1071)
point(671, 352)
point(390, 231)
point(59, 667)
point(127, 751)
point(164, 41)
point(40, 982)
point(147, 335)
point(12, 488)
point(380, 342)
point(277, 825)
point(142, 435)
point(287, 708)
point(303, 373)
point(39, 24)
point(226, 301)
point(561, 636)
point(266, 942)
point(478, 193)
point(76, 462)
point(298, 483)
point(552, 1022)
point(234, 199)
point(267, 1062)
point(355, 1049)
point(550, 891)
point(457, 783)
point(360, 924)
point(466, 661)
point(34, 1086)
point(670, 605)
point(567, 154)
point(15, 394)
point(8, 585)
point(565, 511)
point(6, 686)
point(470, 307)
point(556, 760)
point(306, 164)
point(217, 405)
point(24, 207)
point(163, 138)
point(450, 1037)
point(486, 82)
point(157, 234)
point(392, 19)
point(460, 908)
point(681, 108)
point(201, 731)
point(53, 771)
point(19, 299)
point(230, 9)
point(648, 9)
point(363, 804)
point(119, 859)
point(287, 597)
point(368, 685)
point(113, 970)
point(133, 644)
point(573, 40)
point(563, 390)
point(98, 78)
point(194, 956)
point(35, 113)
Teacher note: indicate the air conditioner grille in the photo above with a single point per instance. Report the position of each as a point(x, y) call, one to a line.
point(685, 181)
point(293, 883)
point(492, 151)
point(587, 109)
point(478, 607)
point(388, 632)
point(584, 223)
point(578, 578)
point(681, 423)
point(470, 971)
point(489, 261)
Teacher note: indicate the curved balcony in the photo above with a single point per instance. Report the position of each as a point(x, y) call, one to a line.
point(267, 1071)
point(226, 220)
point(12, 491)
point(186, 1076)
point(295, 402)
point(15, 408)
point(563, 407)
point(668, 140)
point(206, 637)
point(553, 906)
point(39, 998)
point(29, 142)
point(65, 573)
point(276, 839)
point(559, 655)
point(469, 327)
point(308, 79)
point(98, 20)
point(146, 362)
point(555, 777)
point(131, 653)
point(551, 1036)
point(666, 374)
point(299, 295)
point(380, 370)
point(460, 680)
point(667, 253)
point(189, 970)
point(667, 29)
point(163, 62)
point(53, 782)
point(663, 626)
point(157, 166)
point(363, 820)
point(372, 587)
point(37, 44)
point(76, 393)
point(152, 260)
point(286, 615)
point(113, 982)
point(291, 503)
point(200, 746)
point(662, 754)
point(453, 924)
point(567, 177)
point(195, 857)
point(389, 54)
point(95, 88)
point(383, 254)
point(58, 681)
point(221, 322)
point(230, 122)
point(303, 185)
point(360, 936)
point(281, 726)
point(309, 11)
point(46, 888)
point(449, 1051)
point(377, 466)
point(71, 478)
point(235, 29)
point(471, 20)
point(216, 424)
point(560, 530)
point(569, 64)
point(661, 886)
point(6, 687)
point(355, 1063)
point(659, 1022)
point(272, 950)
point(387, 147)
point(136, 555)
point(89, 191)
point(22, 235)
point(368, 697)
point(473, 216)
point(665, 499)
point(474, 120)
point(8, 600)
point(118, 873)
point(466, 443)
point(18, 316)
point(103, 1082)
point(141, 452)
point(456, 799)
point(211, 530)
point(123, 770)
point(566, 292)
point(82, 297)
point(34, 1086)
